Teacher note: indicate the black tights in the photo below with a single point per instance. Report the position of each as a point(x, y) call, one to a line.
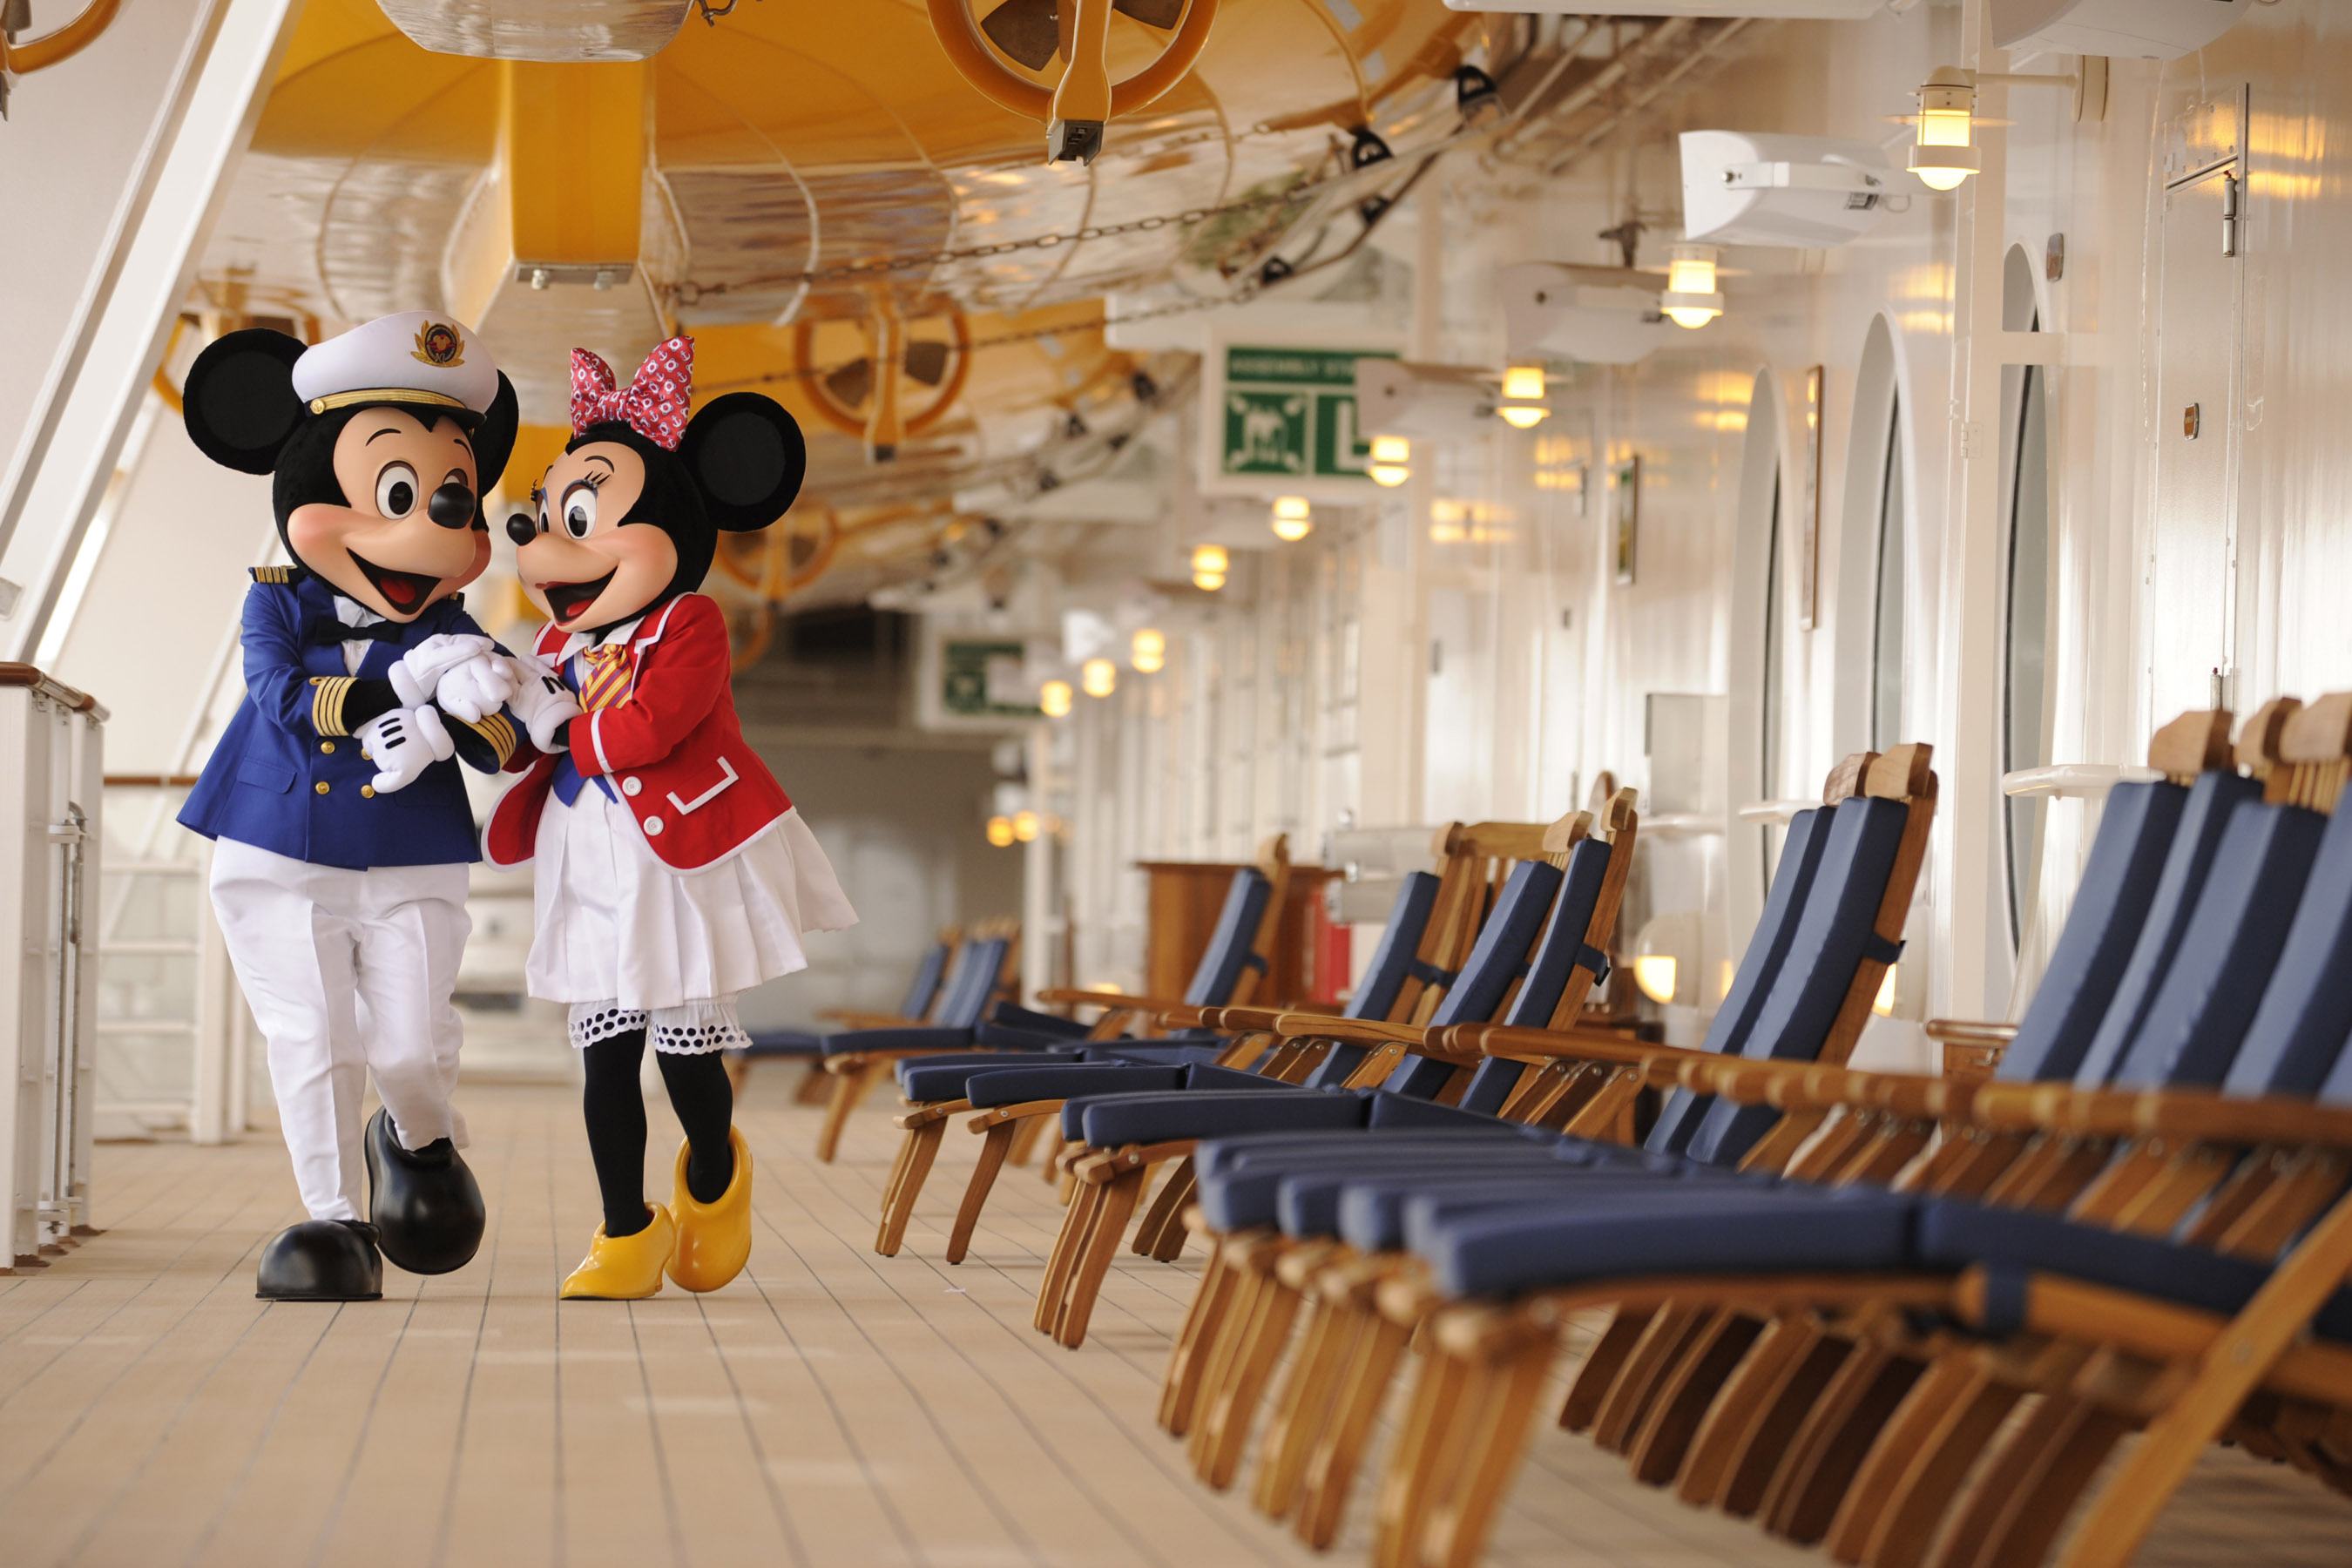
point(615, 1107)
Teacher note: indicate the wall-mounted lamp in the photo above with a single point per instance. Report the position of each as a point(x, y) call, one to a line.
point(1054, 698)
point(1293, 519)
point(1690, 300)
point(1209, 567)
point(1883, 1003)
point(1099, 678)
point(1670, 959)
point(1000, 832)
point(1523, 385)
point(1148, 651)
point(1942, 156)
point(1025, 825)
point(1392, 461)
point(1945, 155)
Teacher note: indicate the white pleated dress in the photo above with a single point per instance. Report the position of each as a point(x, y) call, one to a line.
point(631, 943)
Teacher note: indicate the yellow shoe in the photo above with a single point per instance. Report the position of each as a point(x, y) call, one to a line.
point(714, 1239)
point(628, 1269)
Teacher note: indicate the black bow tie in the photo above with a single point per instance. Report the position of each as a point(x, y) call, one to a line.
point(326, 629)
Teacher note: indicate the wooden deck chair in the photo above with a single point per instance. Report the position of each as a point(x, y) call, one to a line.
point(1821, 945)
point(932, 1085)
point(1428, 937)
point(2138, 891)
point(923, 991)
point(857, 1059)
point(1404, 1081)
point(2089, 1395)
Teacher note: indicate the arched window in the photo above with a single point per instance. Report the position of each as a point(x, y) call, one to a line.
point(1763, 742)
point(1886, 611)
point(2025, 452)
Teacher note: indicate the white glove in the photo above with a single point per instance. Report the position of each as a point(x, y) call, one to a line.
point(420, 669)
point(476, 688)
point(540, 699)
point(402, 743)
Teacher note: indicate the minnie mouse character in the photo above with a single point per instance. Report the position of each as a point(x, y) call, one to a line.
point(673, 872)
point(343, 834)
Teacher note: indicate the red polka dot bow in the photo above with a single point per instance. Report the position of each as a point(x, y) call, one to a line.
point(654, 404)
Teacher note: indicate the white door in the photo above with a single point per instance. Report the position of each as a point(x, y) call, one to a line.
point(2189, 626)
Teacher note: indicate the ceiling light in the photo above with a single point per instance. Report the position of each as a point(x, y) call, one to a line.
point(1000, 831)
point(1654, 974)
point(1025, 825)
point(1522, 415)
point(1523, 384)
point(1392, 460)
point(1209, 567)
point(1884, 1005)
point(1054, 698)
point(1293, 519)
point(1690, 300)
point(1149, 651)
point(1099, 678)
point(1942, 157)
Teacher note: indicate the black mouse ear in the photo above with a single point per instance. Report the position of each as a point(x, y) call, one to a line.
point(745, 455)
point(239, 402)
point(494, 439)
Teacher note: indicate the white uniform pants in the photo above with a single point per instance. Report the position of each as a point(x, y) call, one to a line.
point(348, 972)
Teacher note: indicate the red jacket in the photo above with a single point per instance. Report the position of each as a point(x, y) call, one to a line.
point(672, 747)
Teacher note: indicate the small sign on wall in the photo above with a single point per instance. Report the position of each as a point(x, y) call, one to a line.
point(974, 682)
point(1626, 513)
point(1809, 512)
point(1281, 416)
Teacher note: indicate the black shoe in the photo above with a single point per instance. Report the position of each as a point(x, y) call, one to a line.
point(426, 1206)
point(321, 1260)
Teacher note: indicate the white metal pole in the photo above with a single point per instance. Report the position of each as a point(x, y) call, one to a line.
point(78, 432)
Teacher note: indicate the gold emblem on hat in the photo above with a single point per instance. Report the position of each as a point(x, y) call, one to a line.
point(439, 345)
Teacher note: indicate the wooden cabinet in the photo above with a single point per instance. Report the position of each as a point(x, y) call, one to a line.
point(1182, 909)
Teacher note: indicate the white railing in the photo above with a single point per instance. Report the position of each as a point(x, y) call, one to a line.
point(51, 768)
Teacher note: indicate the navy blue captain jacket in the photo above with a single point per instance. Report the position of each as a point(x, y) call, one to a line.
point(288, 775)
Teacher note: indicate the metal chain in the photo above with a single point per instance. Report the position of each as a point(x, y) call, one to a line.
point(689, 293)
point(1248, 291)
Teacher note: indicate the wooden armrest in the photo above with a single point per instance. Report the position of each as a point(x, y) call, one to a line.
point(851, 1020)
point(1117, 1001)
point(1355, 1031)
point(2186, 1114)
point(1969, 1032)
point(1551, 1045)
point(1248, 1020)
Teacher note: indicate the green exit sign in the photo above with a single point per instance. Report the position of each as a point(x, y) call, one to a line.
point(1289, 414)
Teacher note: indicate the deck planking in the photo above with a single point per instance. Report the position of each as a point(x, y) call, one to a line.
point(829, 1408)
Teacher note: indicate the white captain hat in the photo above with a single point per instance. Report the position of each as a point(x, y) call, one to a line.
point(415, 356)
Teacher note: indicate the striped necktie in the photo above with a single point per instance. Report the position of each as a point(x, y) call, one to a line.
point(604, 678)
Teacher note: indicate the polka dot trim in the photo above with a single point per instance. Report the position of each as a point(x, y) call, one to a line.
point(656, 402)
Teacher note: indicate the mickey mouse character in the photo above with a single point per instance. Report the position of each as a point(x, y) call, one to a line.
point(673, 871)
point(343, 833)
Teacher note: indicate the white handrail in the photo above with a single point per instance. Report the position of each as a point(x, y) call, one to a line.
point(1683, 824)
point(1779, 811)
point(2073, 781)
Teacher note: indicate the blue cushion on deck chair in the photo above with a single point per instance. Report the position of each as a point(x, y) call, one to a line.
point(1013, 1015)
point(2232, 942)
point(1833, 937)
point(1229, 950)
point(926, 1079)
point(1243, 1195)
point(2299, 1031)
point(2203, 817)
point(785, 1043)
point(1107, 1122)
point(1759, 966)
point(1018, 1086)
point(1495, 960)
point(2110, 909)
point(1677, 1228)
point(1372, 1212)
point(1954, 1234)
point(913, 1037)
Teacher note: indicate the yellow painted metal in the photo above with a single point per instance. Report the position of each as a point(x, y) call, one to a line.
point(39, 54)
point(573, 143)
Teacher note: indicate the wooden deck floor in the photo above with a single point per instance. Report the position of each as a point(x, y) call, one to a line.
point(830, 1408)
